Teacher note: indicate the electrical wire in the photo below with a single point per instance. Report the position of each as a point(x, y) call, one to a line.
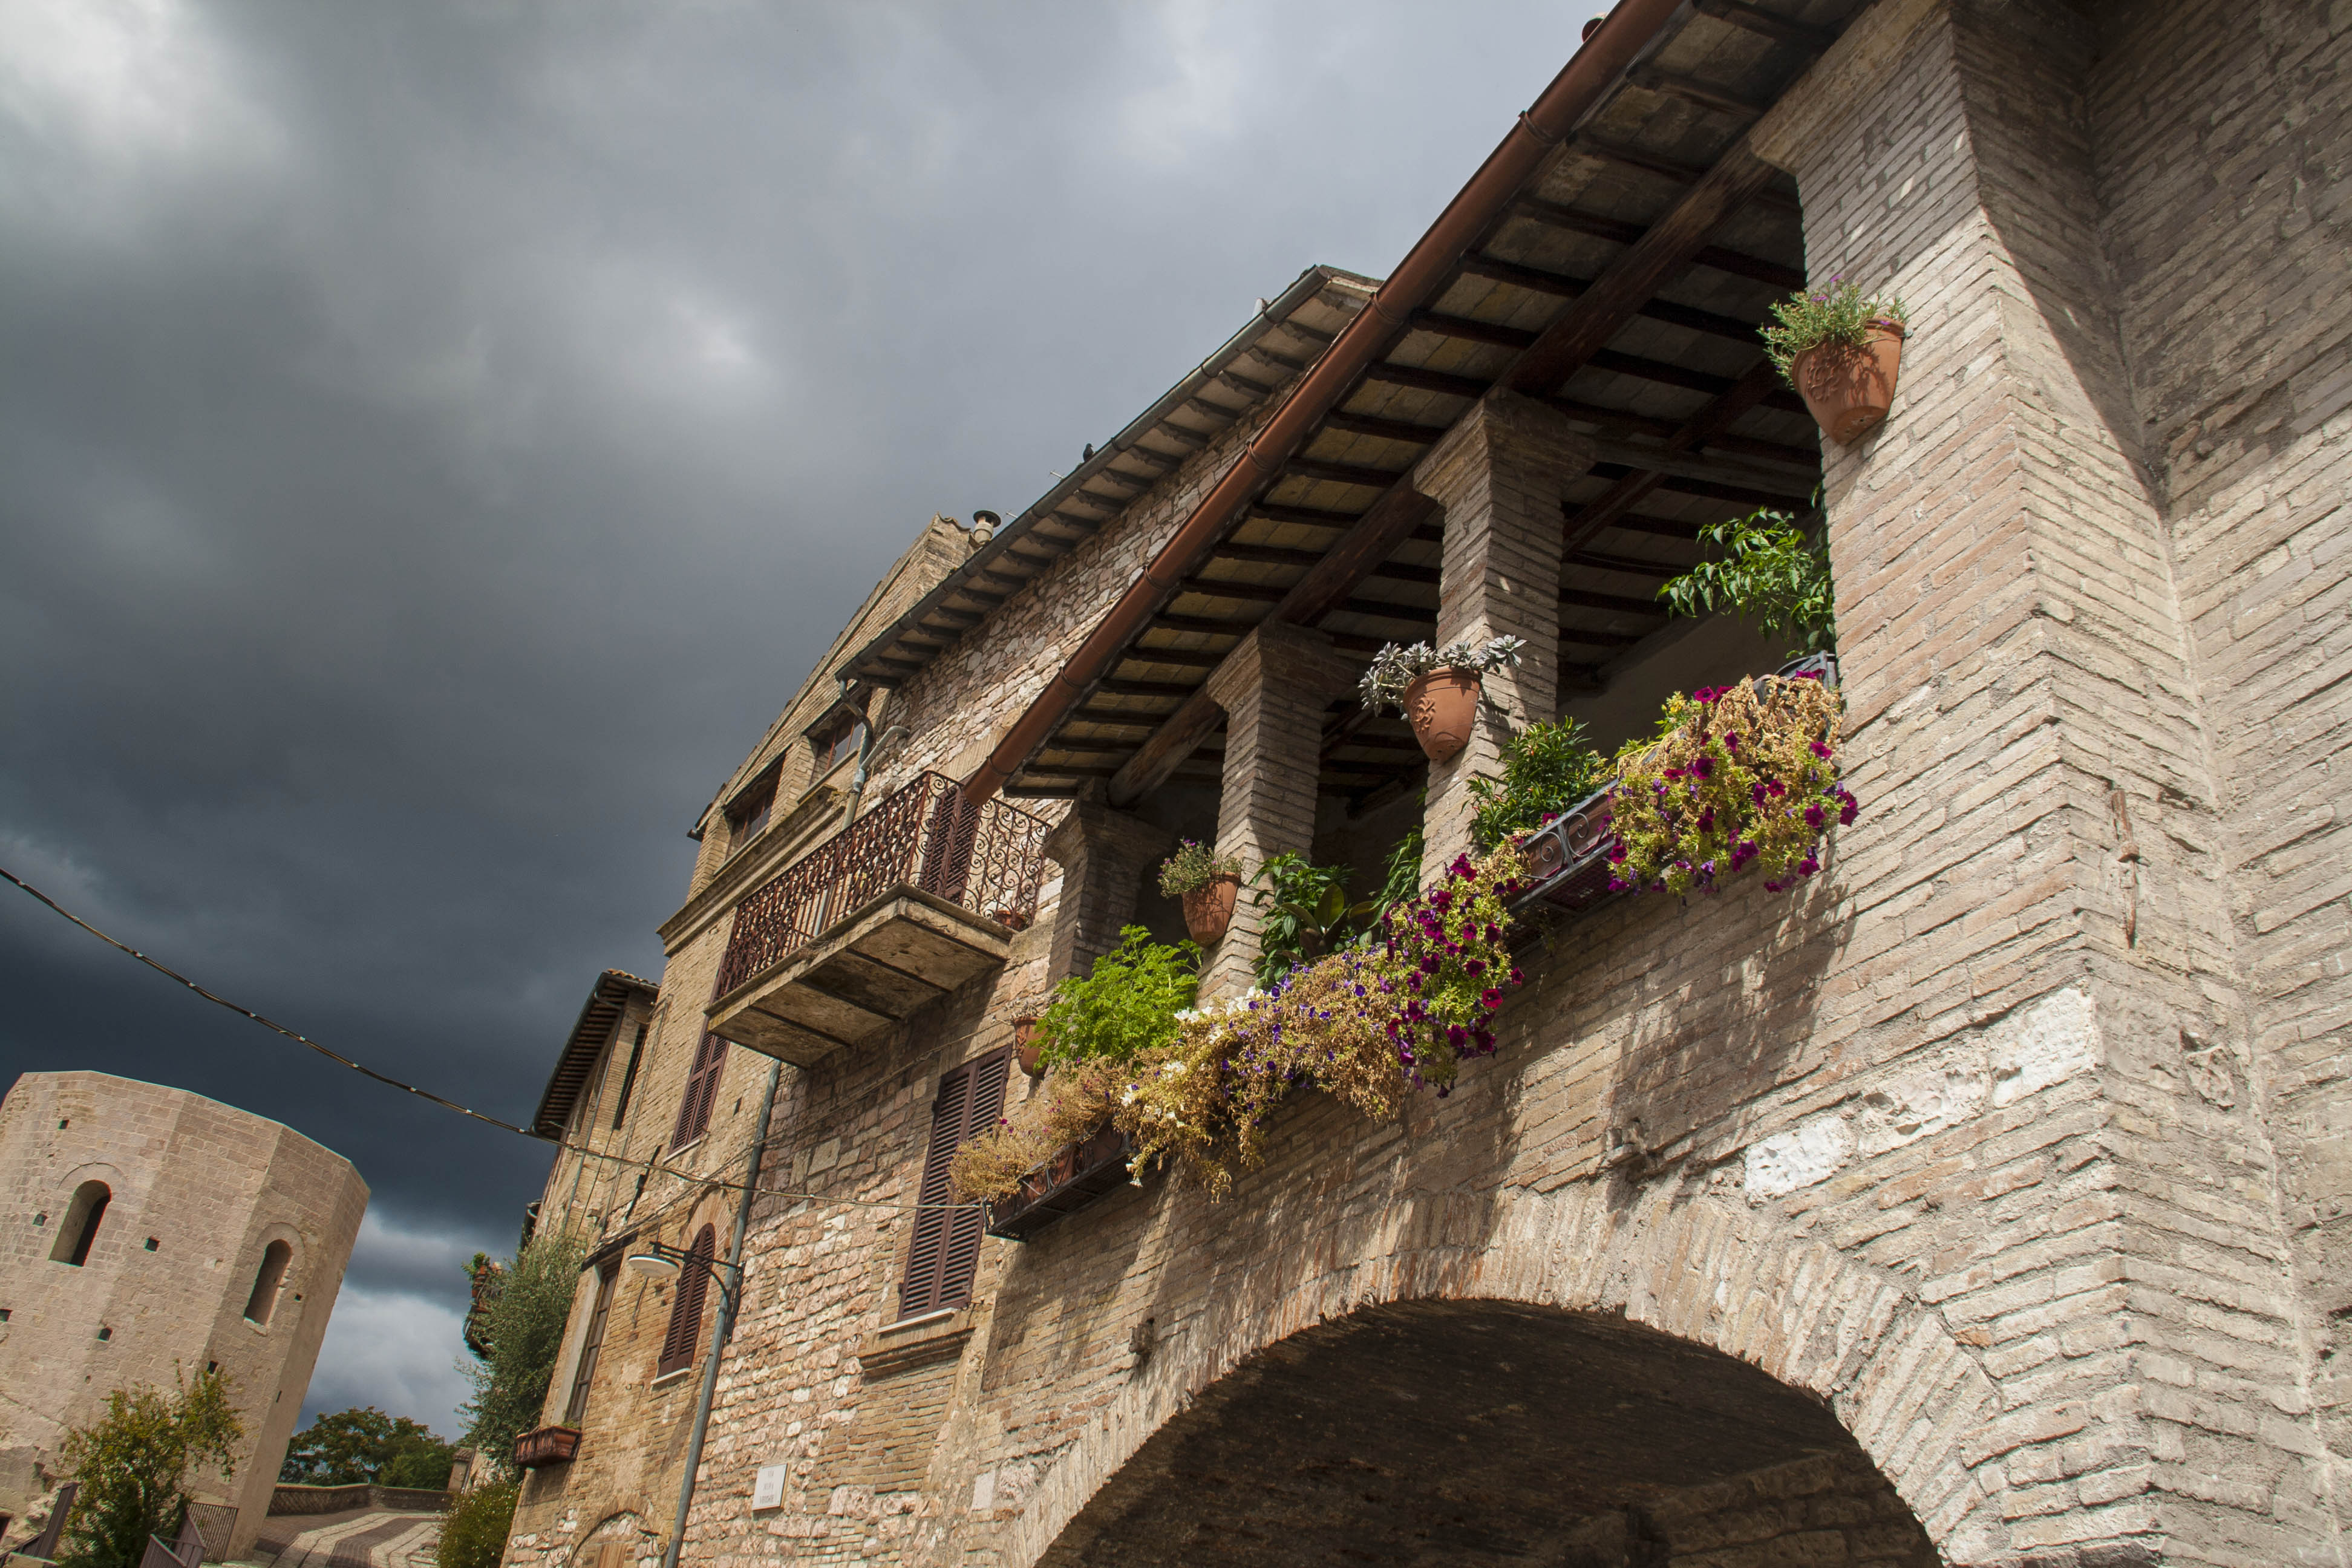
point(650, 1164)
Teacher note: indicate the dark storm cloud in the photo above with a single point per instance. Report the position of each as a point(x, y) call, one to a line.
point(434, 441)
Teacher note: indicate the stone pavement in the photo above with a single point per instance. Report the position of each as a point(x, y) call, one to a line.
point(362, 1538)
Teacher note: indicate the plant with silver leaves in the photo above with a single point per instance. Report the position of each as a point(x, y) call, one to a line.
point(1393, 669)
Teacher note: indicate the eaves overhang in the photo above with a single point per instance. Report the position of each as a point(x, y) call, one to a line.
point(608, 998)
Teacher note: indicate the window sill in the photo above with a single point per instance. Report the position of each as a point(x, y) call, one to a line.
point(915, 1341)
point(670, 1379)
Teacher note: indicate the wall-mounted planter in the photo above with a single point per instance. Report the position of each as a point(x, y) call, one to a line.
point(1078, 1173)
point(1025, 1049)
point(1209, 908)
point(546, 1446)
point(1849, 390)
point(1443, 704)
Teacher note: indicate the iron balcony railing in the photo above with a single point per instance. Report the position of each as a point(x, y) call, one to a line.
point(1567, 858)
point(988, 857)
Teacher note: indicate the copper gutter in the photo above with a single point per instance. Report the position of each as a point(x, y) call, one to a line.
point(1589, 73)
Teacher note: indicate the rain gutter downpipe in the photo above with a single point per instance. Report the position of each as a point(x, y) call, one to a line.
point(730, 1303)
point(1581, 85)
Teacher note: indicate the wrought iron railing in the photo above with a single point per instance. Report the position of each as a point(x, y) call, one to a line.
point(988, 857)
point(1568, 857)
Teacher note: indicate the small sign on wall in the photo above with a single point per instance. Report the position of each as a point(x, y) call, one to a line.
point(768, 1491)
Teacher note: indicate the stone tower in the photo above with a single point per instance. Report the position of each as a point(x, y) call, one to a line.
point(147, 1233)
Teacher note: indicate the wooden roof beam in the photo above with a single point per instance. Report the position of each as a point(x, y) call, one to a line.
point(1768, 24)
point(1674, 169)
point(1701, 428)
point(1717, 258)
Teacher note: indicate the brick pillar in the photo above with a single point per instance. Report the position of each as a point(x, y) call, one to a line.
point(1103, 854)
point(1273, 688)
point(1499, 474)
point(2023, 714)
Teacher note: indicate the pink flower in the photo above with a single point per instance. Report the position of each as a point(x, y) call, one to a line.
point(1813, 815)
point(1517, 978)
point(1731, 740)
point(1820, 750)
point(1776, 789)
point(1808, 866)
point(1490, 999)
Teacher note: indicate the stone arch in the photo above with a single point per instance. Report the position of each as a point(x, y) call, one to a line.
point(1700, 1269)
point(607, 1542)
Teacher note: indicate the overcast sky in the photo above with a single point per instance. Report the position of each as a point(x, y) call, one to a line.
point(434, 439)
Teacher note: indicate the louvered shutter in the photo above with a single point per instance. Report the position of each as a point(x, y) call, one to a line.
point(685, 1308)
point(701, 1091)
point(589, 1347)
point(945, 1250)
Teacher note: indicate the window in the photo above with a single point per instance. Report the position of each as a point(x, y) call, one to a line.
point(593, 1342)
point(265, 1281)
point(629, 1078)
point(946, 1245)
point(837, 740)
point(701, 1091)
point(685, 1309)
point(80, 1227)
point(748, 813)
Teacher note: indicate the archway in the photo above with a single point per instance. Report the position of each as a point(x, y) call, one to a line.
point(1447, 1433)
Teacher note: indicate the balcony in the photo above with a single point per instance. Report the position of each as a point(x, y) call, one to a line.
point(915, 897)
point(546, 1446)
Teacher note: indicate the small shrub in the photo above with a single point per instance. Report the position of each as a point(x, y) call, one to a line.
point(134, 1464)
point(524, 1331)
point(474, 1531)
point(1393, 667)
point(1836, 315)
point(1738, 773)
point(1125, 1005)
point(1770, 573)
point(1547, 768)
point(1306, 912)
point(1194, 865)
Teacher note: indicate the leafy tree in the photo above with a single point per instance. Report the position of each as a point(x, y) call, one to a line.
point(135, 1463)
point(1770, 573)
point(473, 1531)
point(522, 1333)
point(366, 1445)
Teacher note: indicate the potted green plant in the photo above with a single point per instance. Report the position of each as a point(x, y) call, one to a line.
point(1207, 883)
point(1437, 688)
point(1840, 350)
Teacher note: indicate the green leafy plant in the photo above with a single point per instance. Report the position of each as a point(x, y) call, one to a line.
point(1400, 878)
point(1547, 768)
point(363, 1444)
point(1306, 912)
point(1123, 1005)
point(1769, 573)
point(1194, 865)
point(474, 1531)
point(1742, 773)
point(134, 1464)
point(524, 1332)
point(1836, 315)
point(1394, 668)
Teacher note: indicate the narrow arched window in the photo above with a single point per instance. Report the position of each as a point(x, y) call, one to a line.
point(265, 1281)
point(80, 1228)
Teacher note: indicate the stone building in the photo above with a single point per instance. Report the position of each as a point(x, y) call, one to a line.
point(1982, 1200)
point(154, 1235)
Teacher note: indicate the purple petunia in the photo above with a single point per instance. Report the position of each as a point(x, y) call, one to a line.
point(1821, 751)
point(1813, 815)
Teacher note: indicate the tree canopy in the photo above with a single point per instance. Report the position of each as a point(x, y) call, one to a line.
point(134, 1464)
point(365, 1445)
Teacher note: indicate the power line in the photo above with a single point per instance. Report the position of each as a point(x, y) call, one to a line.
point(442, 1100)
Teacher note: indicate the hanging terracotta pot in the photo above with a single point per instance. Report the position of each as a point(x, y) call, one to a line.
point(1849, 390)
point(1443, 705)
point(1026, 1048)
point(1209, 908)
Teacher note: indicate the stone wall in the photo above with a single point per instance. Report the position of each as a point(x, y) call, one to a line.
point(199, 1191)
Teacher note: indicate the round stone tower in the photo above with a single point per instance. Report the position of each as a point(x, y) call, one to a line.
point(148, 1234)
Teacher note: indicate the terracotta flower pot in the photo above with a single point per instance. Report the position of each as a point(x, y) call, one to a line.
point(1209, 908)
point(1443, 705)
point(1850, 390)
point(1025, 1049)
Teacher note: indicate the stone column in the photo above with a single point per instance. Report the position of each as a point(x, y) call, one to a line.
point(1273, 688)
point(1500, 474)
point(2023, 715)
point(1103, 854)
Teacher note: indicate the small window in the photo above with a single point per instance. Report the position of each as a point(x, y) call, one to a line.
point(265, 1281)
point(81, 1222)
point(629, 1079)
point(685, 1308)
point(837, 740)
point(748, 813)
point(577, 1406)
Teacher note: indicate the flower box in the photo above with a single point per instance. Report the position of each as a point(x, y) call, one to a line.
point(546, 1446)
point(1078, 1173)
point(1568, 857)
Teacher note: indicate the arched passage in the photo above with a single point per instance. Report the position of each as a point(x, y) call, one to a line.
point(1456, 1433)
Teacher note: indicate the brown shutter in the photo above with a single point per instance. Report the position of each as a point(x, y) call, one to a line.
point(589, 1346)
point(686, 1309)
point(945, 1250)
point(701, 1091)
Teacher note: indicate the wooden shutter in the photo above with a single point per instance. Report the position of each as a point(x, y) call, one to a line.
point(946, 1247)
point(593, 1342)
point(686, 1309)
point(701, 1091)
